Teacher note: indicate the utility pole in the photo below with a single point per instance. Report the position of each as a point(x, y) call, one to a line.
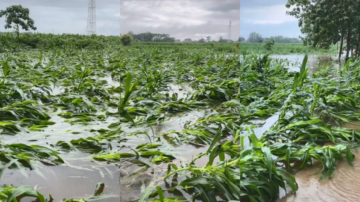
point(91, 21)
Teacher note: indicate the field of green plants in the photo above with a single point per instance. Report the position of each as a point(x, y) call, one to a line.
point(180, 125)
point(166, 122)
point(83, 120)
point(309, 111)
point(286, 49)
point(56, 109)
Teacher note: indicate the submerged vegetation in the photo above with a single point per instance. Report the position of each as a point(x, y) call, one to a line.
point(160, 88)
point(55, 107)
point(79, 104)
point(310, 110)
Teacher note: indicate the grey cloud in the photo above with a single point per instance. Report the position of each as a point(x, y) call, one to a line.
point(181, 19)
point(226, 6)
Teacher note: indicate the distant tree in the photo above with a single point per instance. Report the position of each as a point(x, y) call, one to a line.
point(152, 37)
point(208, 38)
point(126, 39)
point(222, 40)
point(281, 39)
point(269, 44)
point(202, 40)
point(241, 39)
point(255, 38)
point(16, 17)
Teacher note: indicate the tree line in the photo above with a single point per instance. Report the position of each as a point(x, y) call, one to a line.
point(157, 37)
point(257, 38)
point(324, 23)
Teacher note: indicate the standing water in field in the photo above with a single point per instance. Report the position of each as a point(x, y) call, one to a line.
point(178, 122)
point(296, 115)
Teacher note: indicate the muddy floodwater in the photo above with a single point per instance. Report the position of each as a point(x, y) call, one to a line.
point(345, 181)
point(343, 186)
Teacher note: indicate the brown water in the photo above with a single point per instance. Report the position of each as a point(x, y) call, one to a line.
point(343, 185)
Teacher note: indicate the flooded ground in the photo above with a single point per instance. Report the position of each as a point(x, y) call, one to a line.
point(77, 180)
point(293, 62)
point(80, 174)
point(345, 180)
point(134, 177)
point(343, 186)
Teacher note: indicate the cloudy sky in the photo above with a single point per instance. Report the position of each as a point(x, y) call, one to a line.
point(181, 19)
point(69, 16)
point(267, 18)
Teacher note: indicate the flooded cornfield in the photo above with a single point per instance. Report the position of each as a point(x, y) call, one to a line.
point(178, 126)
point(56, 143)
point(304, 125)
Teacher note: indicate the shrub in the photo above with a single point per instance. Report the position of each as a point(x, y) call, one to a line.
point(269, 43)
point(126, 39)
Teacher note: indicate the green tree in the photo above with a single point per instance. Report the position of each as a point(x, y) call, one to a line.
point(126, 39)
point(17, 17)
point(255, 38)
point(241, 39)
point(328, 22)
point(269, 44)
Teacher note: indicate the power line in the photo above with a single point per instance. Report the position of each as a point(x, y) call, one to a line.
point(91, 21)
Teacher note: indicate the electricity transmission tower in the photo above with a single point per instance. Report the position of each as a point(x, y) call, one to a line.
point(229, 30)
point(91, 21)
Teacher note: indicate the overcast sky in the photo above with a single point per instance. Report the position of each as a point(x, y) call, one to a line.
point(268, 18)
point(69, 16)
point(181, 19)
